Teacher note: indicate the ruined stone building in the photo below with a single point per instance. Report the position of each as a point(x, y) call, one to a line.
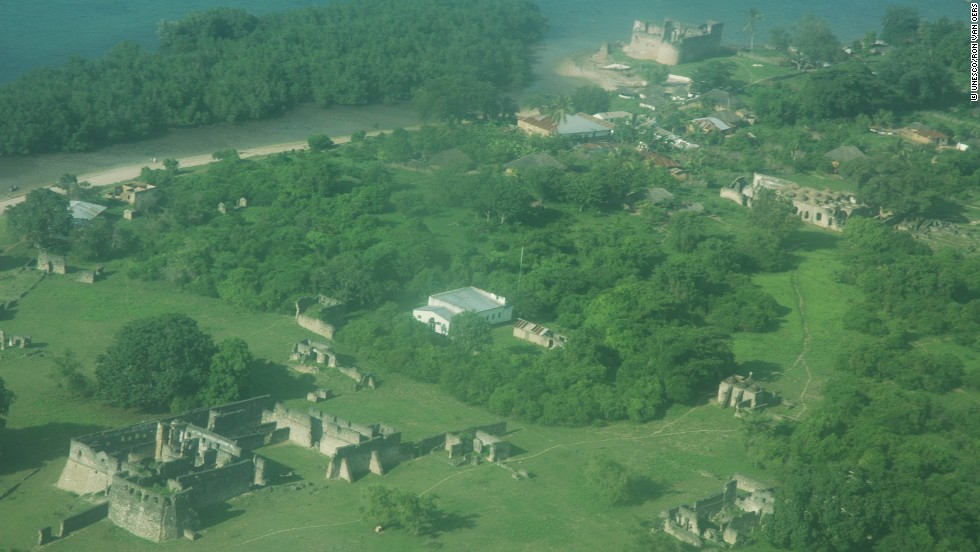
point(312, 313)
point(50, 263)
point(309, 356)
point(313, 353)
point(537, 334)
point(826, 209)
point(354, 449)
point(673, 42)
point(156, 475)
point(743, 393)
point(485, 440)
point(135, 193)
point(494, 447)
point(442, 307)
point(724, 518)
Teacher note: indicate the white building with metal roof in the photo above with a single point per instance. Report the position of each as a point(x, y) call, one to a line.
point(442, 307)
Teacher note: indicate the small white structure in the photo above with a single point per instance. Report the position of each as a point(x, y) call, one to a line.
point(442, 307)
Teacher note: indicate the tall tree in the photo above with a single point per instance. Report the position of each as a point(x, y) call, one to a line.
point(156, 362)
point(68, 183)
point(43, 218)
point(229, 379)
point(387, 506)
point(470, 332)
point(711, 75)
point(816, 40)
point(558, 108)
point(900, 25)
point(752, 16)
point(590, 99)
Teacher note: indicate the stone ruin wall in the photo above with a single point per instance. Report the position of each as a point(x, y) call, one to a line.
point(299, 425)
point(354, 449)
point(315, 324)
point(51, 263)
point(825, 209)
point(151, 515)
point(451, 441)
point(219, 484)
point(73, 523)
point(673, 42)
point(93, 459)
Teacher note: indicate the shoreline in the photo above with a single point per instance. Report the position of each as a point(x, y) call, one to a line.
point(131, 171)
point(582, 66)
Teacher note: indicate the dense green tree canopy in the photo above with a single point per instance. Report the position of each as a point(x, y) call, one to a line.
point(227, 65)
point(166, 361)
point(43, 219)
point(816, 40)
point(228, 379)
point(713, 74)
point(590, 99)
point(900, 25)
point(385, 506)
point(844, 90)
point(470, 332)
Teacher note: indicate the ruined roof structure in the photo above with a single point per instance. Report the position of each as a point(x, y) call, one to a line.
point(442, 307)
point(673, 42)
point(538, 334)
point(826, 209)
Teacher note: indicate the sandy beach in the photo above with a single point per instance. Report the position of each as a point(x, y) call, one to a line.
point(132, 171)
point(584, 66)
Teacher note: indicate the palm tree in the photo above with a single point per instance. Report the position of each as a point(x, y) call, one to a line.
point(753, 15)
point(558, 108)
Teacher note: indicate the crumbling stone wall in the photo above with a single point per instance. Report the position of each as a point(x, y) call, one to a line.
point(722, 518)
point(495, 448)
point(743, 394)
point(538, 334)
point(354, 449)
point(84, 518)
point(315, 323)
point(51, 263)
point(95, 458)
point(153, 515)
point(218, 484)
point(299, 424)
point(673, 42)
point(826, 209)
point(73, 523)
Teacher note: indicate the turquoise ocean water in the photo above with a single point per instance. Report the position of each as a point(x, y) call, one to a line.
point(44, 33)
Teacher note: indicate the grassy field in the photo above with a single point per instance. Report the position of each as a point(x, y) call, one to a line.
point(684, 456)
